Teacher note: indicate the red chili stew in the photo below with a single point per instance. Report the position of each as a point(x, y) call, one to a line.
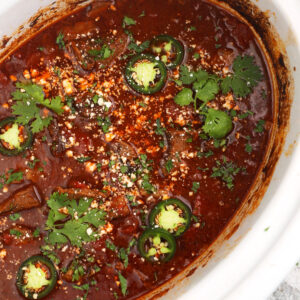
point(130, 133)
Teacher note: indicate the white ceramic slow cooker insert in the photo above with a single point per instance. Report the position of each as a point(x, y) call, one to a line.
point(253, 261)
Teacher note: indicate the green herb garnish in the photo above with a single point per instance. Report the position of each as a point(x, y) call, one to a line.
point(26, 107)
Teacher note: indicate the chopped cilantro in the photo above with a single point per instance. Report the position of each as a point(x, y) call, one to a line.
point(195, 219)
point(111, 163)
point(159, 129)
point(36, 232)
point(226, 170)
point(84, 287)
point(142, 14)
point(123, 283)
point(248, 147)
point(233, 113)
point(105, 123)
point(60, 41)
point(83, 159)
point(169, 165)
point(109, 245)
point(127, 21)
point(196, 55)
point(99, 167)
point(124, 169)
point(48, 251)
point(245, 115)
point(219, 143)
point(147, 185)
point(104, 53)
point(139, 48)
point(31, 164)
point(123, 256)
point(205, 154)
point(15, 232)
point(15, 217)
point(195, 186)
point(260, 126)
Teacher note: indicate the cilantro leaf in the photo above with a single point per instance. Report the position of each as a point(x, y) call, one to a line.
point(55, 237)
point(76, 232)
point(184, 97)
point(94, 217)
point(40, 123)
point(25, 112)
point(187, 76)
point(226, 85)
point(217, 123)
point(207, 91)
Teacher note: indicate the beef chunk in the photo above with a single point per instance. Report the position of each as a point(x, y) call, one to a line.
point(25, 198)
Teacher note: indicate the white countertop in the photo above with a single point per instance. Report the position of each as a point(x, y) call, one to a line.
point(289, 289)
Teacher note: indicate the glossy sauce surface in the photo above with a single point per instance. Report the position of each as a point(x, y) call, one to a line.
point(218, 37)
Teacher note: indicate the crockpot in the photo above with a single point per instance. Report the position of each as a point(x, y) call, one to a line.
point(252, 261)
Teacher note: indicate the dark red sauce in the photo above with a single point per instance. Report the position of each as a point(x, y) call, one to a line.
point(52, 162)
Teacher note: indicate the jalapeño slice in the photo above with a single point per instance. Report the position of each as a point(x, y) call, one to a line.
point(169, 50)
point(171, 215)
point(146, 74)
point(14, 138)
point(156, 245)
point(36, 277)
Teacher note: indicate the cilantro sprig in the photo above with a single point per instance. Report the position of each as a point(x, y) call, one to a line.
point(29, 100)
point(246, 75)
point(72, 221)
